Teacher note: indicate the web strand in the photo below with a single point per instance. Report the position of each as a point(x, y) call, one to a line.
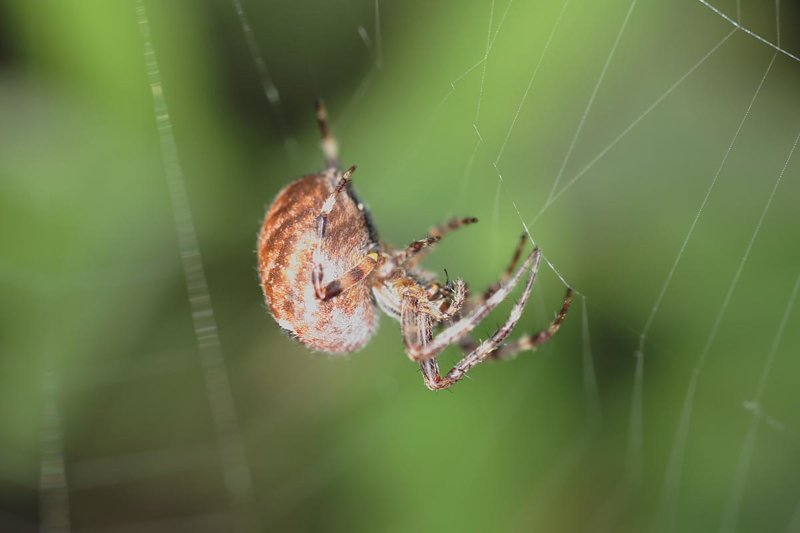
point(733, 505)
point(454, 83)
point(490, 39)
point(628, 129)
point(668, 503)
point(479, 140)
point(378, 37)
point(270, 90)
point(231, 448)
point(590, 103)
point(530, 81)
point(589, 376)
point(483, 69)
point(268, 86)
point(751, 33)
point(636, 430)
point(53, 489)
point(494, 163)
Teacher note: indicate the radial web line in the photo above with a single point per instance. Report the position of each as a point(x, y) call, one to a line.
point(496, 208)
point(378, 37)
point(267, 85)
point(751, 33)
point(636, 427)
point(343, 119)
point(482, 60)
point(270, 90)
point(672, 478)
point(553, 479)
point(53, 491)
point(630, 127)
point(438, 107)
point(236, 471)
point(731, 513)
point(589, 376)
point(479, 140)
point(483, 68)
point(590, 103)
point(530, 81)
point(501, 181)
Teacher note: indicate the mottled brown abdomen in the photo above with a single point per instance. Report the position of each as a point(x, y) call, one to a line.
point(285, 247)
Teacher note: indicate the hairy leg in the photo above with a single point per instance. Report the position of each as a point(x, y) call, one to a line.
point(525, 342)
point(330, 147)
point(355, 275)
point(427, 349)
point(435, 234)
point(430, 370)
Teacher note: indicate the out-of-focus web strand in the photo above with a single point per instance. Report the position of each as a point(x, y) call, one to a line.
point(236, 471)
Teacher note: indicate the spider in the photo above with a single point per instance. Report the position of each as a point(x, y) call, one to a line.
point(325, 274)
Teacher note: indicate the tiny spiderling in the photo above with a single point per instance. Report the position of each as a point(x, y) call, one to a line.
point(325, 274)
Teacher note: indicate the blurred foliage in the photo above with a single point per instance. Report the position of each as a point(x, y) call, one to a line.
point(94, 296)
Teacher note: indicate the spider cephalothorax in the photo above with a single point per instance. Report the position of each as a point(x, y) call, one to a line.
point(324, 274)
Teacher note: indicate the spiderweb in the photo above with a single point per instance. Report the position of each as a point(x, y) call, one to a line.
point(650, 151)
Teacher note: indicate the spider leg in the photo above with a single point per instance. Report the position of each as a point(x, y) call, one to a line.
point(330, 147)
point(427, 348)
point(531, 342)
point(451, 225)
point(527, 341)
point(435, 234)
point(430, 369)
point(352, 276)
point(414, 248)
point(508, 271)
point(446, 302)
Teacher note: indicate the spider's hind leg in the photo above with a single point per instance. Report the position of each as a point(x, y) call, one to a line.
point(330, 146)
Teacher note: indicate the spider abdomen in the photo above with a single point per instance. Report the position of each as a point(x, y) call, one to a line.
point(286, 247)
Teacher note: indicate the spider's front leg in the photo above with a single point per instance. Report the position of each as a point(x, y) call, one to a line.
point(506, 273)
point(421, 351)
point(525, 342)
point(415, 252)
point(430, 369)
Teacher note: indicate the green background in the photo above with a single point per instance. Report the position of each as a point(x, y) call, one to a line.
point(98, 359)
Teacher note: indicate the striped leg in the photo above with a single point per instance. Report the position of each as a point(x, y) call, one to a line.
point(330, 147)
point(526, 342)
point(326, 291)
point(430, 369)
point(509, 270)
point(415, 252)
point(431, 347)
point(350, 278)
